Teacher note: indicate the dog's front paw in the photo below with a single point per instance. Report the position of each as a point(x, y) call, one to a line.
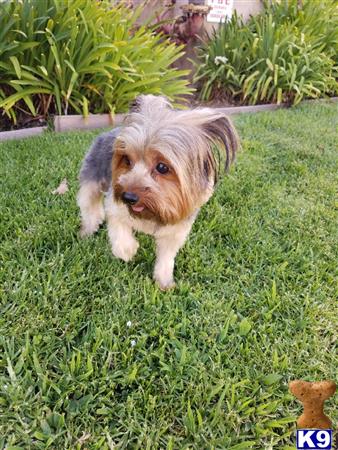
point(87, 231)
point(166, 286)
point(164, 282)
point(125, 250)
point(89, 227)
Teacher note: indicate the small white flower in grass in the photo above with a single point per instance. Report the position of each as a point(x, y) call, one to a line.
point(129, 324)
point(133, 342)
point(220, 59)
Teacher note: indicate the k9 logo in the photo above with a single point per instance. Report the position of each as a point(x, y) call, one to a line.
point(314, 439)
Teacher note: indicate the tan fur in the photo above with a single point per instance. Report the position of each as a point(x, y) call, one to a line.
point(162, 195)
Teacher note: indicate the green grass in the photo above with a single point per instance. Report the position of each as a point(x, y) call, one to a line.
point(256, 303)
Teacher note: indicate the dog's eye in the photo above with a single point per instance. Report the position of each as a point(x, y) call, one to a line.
point(126, 160)
point(162, 168)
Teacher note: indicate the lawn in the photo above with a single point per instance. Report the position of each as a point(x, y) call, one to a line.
point(94, 356)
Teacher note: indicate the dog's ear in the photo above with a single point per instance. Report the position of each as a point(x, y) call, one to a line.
point(218, 133)
point(222, 135)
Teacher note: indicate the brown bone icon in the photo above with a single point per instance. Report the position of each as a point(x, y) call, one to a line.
point(313, 396)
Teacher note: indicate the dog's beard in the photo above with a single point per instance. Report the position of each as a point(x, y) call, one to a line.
point(164, 207)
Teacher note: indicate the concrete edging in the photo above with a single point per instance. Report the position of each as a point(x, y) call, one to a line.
point(268, 107)
point(230, 110)
point(23, 133)
point(77, 122)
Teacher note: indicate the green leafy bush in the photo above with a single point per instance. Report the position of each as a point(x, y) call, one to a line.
point(284, 54)
point(317, 20)
point(80, 56)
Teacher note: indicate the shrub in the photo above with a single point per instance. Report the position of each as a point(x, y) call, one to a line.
point(317, 20)
point(282, 55)
point(80, 56)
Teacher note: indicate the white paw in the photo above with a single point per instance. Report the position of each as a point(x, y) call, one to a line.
point(125, 250)
point(91, 222)
point(88, 230)
point(164, 282)
point(166, 286)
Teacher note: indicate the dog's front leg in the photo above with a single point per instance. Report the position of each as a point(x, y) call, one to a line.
point(123, 243)
point(120, 232)
point(167, 246)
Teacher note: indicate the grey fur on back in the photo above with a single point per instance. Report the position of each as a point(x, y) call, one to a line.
point(96, 165)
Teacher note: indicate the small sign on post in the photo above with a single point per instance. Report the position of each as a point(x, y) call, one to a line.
point(221, 10)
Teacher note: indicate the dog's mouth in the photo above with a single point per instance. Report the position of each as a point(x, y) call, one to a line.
point(141, 211)
point(137, 208)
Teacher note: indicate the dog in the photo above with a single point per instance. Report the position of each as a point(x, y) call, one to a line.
point(152, 175)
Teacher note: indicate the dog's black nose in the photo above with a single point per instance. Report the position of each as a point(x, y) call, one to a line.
point(130, 198)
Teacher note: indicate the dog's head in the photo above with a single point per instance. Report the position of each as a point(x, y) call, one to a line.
point(165, 162)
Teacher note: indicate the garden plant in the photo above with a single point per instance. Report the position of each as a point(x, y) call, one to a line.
point(80, 56)
point(285, 54)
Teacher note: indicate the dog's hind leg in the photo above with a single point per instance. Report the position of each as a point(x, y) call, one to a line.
point(90, 202)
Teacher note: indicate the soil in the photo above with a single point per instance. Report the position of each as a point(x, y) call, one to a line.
point(22, 122)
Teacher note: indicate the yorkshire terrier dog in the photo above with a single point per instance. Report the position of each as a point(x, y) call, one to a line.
point(152, 175)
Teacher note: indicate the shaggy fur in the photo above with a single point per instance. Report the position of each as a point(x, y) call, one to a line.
point(156, 170)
